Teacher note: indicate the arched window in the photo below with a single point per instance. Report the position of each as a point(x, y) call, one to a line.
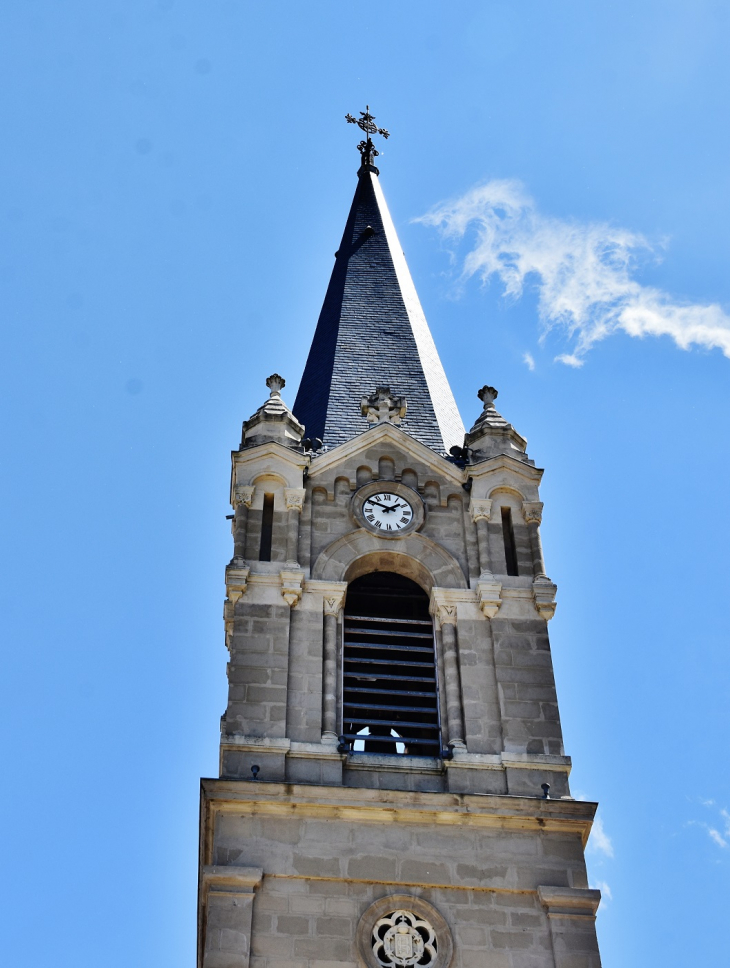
point(389, 681)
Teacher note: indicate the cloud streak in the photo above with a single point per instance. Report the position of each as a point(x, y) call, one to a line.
point(719, 837)
point(600, 842)
point(584, 273)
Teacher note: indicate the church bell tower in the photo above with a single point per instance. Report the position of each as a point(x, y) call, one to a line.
point(393, 787)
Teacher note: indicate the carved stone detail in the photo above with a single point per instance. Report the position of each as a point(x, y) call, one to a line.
point(294, 498)
point(243, 494)
point(291, 587)
point(236, 586)
point(333, 602)
point(532, 511)
point(544, 592)
point(489, 596)
point(480, 509)
point(383, 407)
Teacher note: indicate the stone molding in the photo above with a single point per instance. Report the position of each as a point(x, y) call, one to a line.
point(261, 460)
point(294, 498)
point(489, 596)
point(237, 880)
point(427, 562)
point(532, 511)
point(277, 799)
point(291, 587)
point(404, 902)
point(485, 470)
point(480, 509)
point(570, 902)
point(544, 591)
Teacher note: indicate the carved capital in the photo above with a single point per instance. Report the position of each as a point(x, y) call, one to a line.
point(489, 596)
point(333, 602)
point(291, 587)
point(480, 509)
point(243, 494)
point(294, 498)
point(544, 591)
point(443, 607)
point(532, 511)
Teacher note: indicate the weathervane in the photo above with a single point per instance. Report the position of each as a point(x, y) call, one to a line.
point(366, 123)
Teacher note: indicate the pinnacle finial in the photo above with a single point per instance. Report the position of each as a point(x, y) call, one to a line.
point(276, 384)
point(487, 395)
point(366, 123)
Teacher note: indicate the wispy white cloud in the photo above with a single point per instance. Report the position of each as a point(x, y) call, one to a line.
point(600, 842)
point(529, 360)
point(584, 272)
point(719, 829)
point(604, 889)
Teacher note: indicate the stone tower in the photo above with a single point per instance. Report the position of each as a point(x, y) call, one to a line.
point(393, 788)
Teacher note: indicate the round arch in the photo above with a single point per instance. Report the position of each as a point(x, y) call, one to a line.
point(415, 556)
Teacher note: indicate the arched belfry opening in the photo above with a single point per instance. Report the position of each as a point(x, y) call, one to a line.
point(389, 678)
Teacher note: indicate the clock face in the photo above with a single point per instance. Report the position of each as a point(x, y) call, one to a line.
point(387, 512)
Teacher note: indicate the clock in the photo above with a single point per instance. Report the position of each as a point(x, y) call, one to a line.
point(388, 508)
point(386, 511)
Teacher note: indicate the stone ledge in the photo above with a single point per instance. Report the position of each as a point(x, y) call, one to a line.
point(241, 880)
point(395, 764)
point(570, 902)
point(389, 806)
point(531, 761)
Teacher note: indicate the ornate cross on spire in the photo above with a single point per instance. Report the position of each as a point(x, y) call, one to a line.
point(366, 123)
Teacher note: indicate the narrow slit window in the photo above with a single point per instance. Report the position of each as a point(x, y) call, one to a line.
point(389, 682)
point(510, 549)
point(267, 528)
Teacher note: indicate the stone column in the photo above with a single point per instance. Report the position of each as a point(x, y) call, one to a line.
point(532, 511)
point(294, 500)
point(445, 613)
point(242, 498)
point(332, 603)
point(481, 511)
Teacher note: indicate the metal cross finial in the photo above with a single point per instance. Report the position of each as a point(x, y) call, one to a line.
point(366, 123)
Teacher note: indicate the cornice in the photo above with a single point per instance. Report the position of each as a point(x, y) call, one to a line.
point(505, 462)
point(390, 806)
point(377, 434)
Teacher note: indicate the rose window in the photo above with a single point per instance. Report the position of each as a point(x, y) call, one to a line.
point(403, 939)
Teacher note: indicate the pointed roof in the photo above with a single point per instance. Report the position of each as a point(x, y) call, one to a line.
point(372, 333)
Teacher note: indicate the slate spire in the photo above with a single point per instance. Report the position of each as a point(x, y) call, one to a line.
point(372, 333)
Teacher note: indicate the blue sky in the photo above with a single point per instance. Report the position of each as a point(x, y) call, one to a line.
point(175, 178)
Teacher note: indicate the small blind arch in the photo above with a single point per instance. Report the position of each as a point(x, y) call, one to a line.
point(390, 701)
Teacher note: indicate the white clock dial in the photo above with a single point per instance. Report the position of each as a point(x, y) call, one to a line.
point(387, 512)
